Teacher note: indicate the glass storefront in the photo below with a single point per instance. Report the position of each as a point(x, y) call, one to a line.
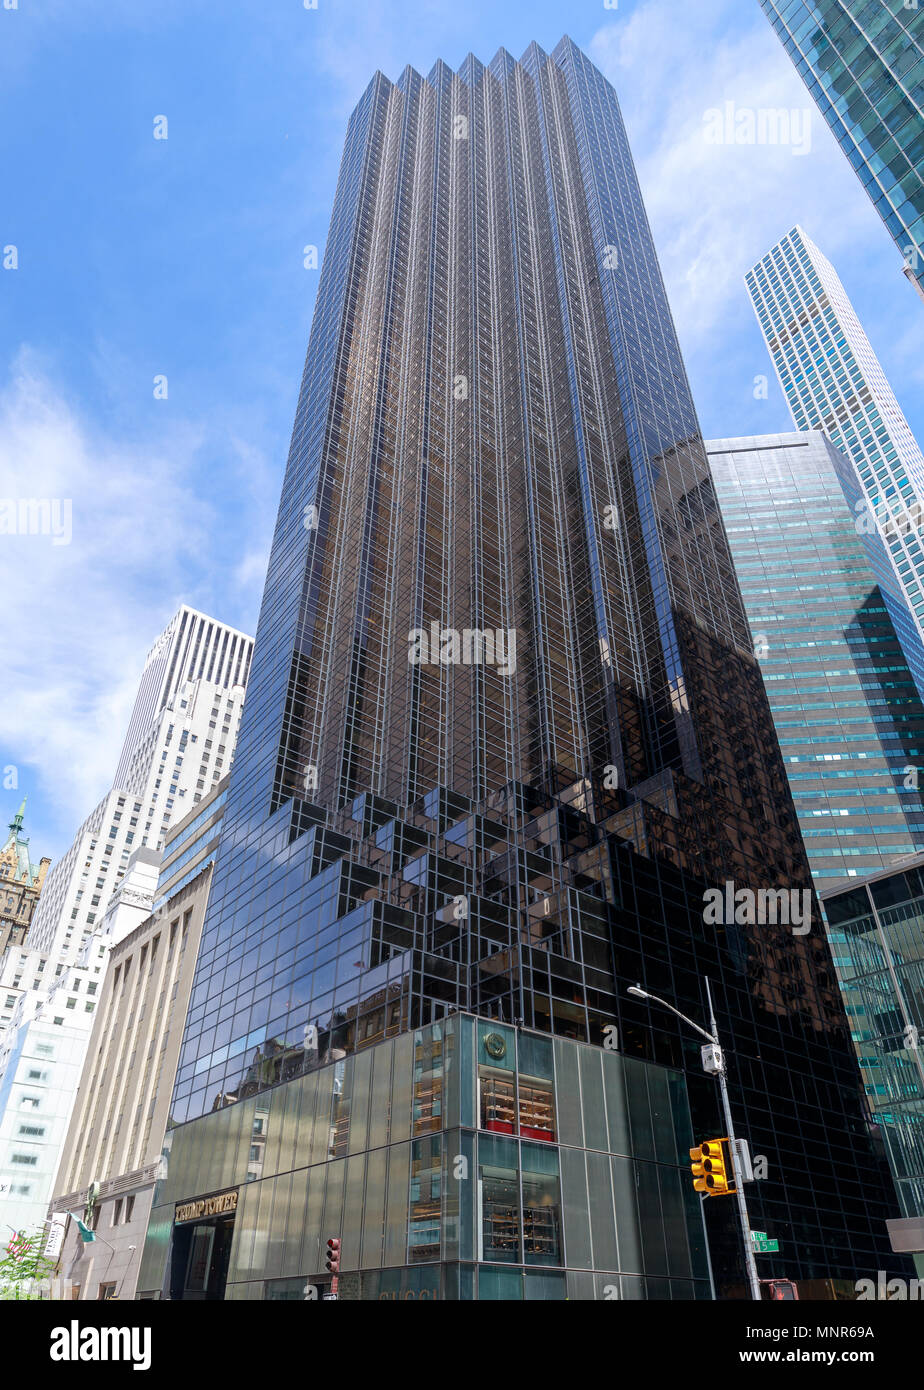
point(398, 1152)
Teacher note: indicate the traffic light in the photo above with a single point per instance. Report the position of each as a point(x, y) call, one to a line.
point(708, 1167)
point(333, 1255)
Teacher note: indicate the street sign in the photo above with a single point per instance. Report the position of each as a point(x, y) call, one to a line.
point(762, 1243)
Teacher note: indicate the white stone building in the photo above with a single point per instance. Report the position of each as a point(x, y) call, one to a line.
point(179, 745)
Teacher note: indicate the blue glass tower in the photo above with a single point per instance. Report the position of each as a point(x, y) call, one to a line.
point(845, 704)
point(833, 382)
point(863, 62)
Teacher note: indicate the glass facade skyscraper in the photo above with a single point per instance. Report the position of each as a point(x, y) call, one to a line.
point(833, 381)
point(846, 708)
point(504, 731)
point(863, 62)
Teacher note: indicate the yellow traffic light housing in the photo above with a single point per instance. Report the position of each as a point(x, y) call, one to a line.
point(711, 1173)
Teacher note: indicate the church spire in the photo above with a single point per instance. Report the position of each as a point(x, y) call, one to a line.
point(16, 822)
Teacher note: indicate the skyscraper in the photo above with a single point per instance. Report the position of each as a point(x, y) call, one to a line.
point(863, 62)
point(846, 708)
point(851, 729)
point(504, 730)
point(179, 743)
point(833, 381)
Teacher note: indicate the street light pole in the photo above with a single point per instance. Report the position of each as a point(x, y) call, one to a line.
point(749, 1261)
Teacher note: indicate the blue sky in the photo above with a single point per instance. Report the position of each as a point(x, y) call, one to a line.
point(183, 257)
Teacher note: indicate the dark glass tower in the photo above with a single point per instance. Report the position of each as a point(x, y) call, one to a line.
point(863, 62)
point(495, 435)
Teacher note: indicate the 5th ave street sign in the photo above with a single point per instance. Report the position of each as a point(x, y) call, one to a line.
point(762, 1243)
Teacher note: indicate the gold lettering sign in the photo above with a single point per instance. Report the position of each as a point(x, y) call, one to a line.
point(219, 1205)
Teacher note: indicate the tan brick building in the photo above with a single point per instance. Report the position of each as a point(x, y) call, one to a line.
point(113, 1149)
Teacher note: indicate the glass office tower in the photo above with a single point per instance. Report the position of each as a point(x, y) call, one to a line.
point(833, 381)
point(846, 708)
point(504, 731)
point(863, 62)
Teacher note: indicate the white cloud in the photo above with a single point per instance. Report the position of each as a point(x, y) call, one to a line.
point(79, 618)
point(715, 208)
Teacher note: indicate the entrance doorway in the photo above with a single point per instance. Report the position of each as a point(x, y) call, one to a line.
point(199, 1266)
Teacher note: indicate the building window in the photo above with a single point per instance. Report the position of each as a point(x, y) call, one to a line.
point(541, 1206)
point(29, 1160)
point(117, 1211)
point(129, 1207)
point(106, 1291)
point(500, 1201)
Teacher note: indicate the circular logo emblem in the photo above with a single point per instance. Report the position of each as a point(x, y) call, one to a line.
point(494, 1045)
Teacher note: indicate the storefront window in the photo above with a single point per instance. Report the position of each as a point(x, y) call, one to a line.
point(499, 1193)
point(425, 1200)
point(498, 1101)
point(511, 1101)
point(340, 1110)
point(541, 1206)
point(428, 1080)
point(536, 1109)
point(516, 1105)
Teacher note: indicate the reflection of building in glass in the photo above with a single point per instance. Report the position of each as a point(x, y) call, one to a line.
point(495, 434)
point(877, 935)
point(863, 62)
point(846, 708)
point(833, 382)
